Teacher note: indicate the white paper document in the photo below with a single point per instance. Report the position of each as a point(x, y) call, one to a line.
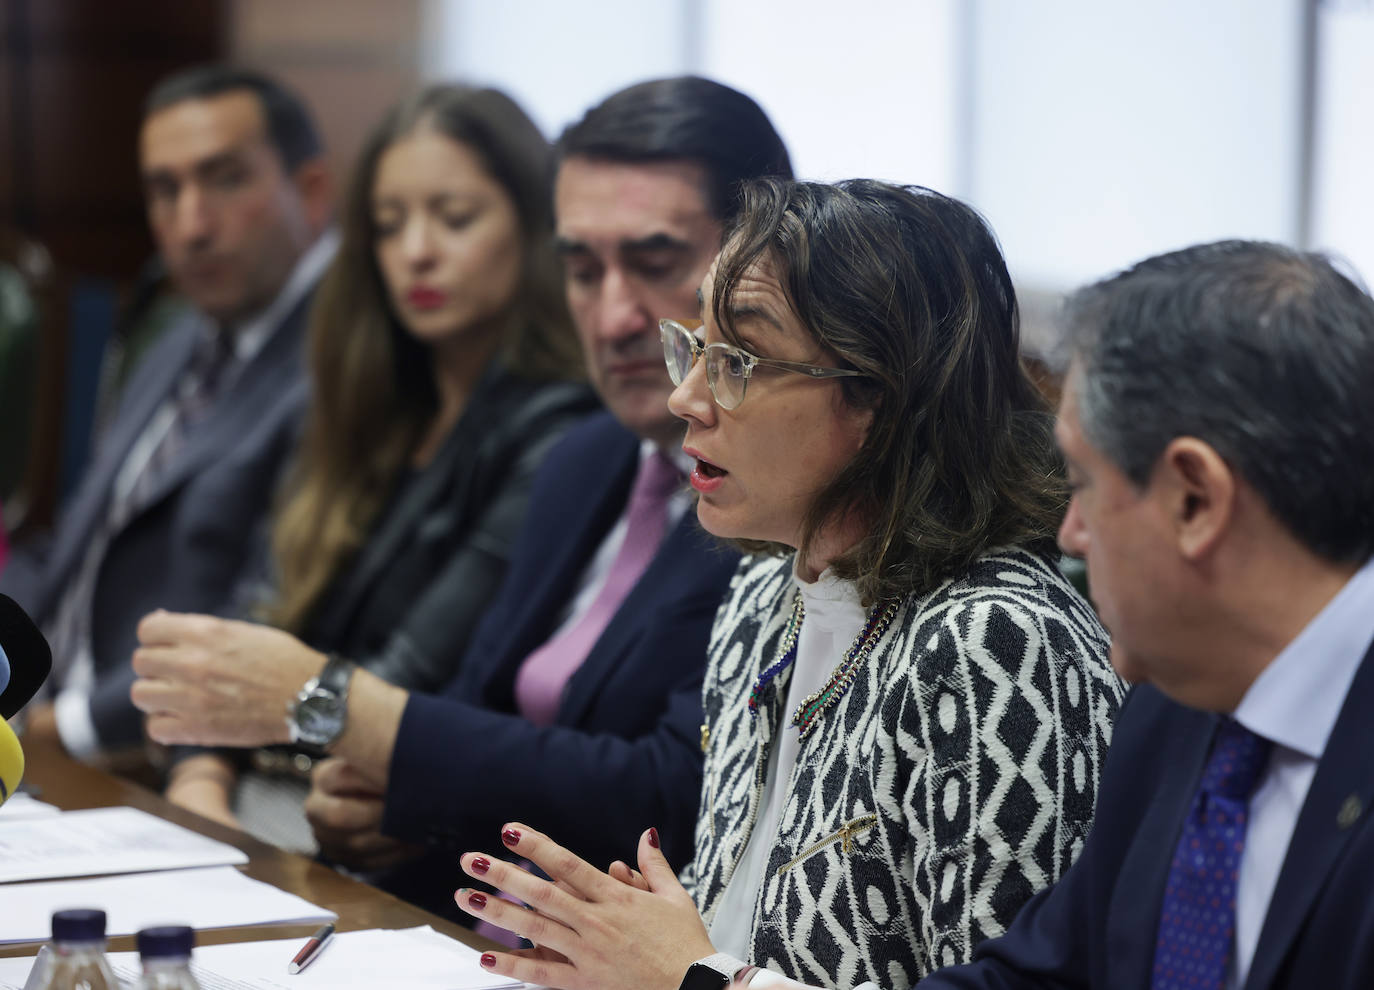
point(413, 958)
point(215, 897)
point(103, 840)
point(25, 805)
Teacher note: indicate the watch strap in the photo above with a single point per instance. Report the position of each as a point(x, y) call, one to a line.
point(724, 965)
point(336, 675)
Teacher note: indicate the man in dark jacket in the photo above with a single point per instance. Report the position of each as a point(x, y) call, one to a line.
point(166, 515)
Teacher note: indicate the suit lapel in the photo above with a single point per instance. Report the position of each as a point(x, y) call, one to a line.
point(1138, 894)
point(1324, 826)
point(258, 384)
point(554, 551)
point(680, 553)
point(146, 391)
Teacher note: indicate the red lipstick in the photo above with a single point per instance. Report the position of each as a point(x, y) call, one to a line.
point(425, 297)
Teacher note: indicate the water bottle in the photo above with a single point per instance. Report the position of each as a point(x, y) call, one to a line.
point(76, 958)
point(166, 955)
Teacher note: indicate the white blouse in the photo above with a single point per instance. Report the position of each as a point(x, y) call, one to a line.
point(833, 619)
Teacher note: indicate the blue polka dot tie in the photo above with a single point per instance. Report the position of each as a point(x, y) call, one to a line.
point(1197, 923)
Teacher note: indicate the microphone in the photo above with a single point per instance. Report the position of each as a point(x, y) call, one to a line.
point(27, 657)
point(26, 663)
point(11, 762)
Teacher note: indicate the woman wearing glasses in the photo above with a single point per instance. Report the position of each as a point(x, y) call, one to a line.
point(906, 705)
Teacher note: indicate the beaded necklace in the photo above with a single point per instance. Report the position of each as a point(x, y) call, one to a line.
point(809, 711)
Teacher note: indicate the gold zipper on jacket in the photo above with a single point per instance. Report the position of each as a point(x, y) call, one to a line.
point(845, 835)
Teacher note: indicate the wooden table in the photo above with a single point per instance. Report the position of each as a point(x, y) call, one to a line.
point(71, 785)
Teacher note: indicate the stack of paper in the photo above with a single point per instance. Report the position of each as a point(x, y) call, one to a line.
point(25, 805)
point(144, 871)
point(414, 958)
point(103, 840)
point(218, 897)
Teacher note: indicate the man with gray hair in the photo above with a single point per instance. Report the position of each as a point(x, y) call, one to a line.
point(1218, 423)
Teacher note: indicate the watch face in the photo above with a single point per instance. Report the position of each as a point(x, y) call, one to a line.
point(701, 977)
point(319, 719)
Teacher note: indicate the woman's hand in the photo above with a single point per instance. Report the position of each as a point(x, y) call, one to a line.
point(593, 931)
point(217, 682)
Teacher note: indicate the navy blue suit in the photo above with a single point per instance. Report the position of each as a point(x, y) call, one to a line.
point(1096, 927)
point(624, 751)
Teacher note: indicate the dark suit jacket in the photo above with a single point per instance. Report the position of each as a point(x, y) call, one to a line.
point(624, 752)
point(407, 605)
point(187, 548)
point(1096, 927)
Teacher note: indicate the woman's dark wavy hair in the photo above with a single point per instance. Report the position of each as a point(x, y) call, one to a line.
point(909, 287)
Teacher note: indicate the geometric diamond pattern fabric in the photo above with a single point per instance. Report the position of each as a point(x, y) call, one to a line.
point(1197, 919)
point(957, 776)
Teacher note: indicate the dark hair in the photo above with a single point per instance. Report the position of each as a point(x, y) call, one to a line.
point(1264, 353)
point(373, 385)
point(290, 128)
point(686, 118)
point(909, 287)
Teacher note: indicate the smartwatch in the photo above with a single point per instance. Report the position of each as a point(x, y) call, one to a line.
point(318, 713)
point(714, 973)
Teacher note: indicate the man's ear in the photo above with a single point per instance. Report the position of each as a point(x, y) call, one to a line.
point(315, 183)
point(1200, 489)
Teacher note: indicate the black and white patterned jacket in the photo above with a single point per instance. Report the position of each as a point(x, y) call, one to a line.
point(956, 777)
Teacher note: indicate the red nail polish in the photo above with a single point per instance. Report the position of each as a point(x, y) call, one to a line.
point(480, 865)
point(511, 837)
point(488, 960)
point(653, 837)
point(478, 901)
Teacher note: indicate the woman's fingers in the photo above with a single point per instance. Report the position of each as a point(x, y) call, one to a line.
point(540, 929)
point(624, 873)
point(539, 971)
point(558, 863)
point(660, 875)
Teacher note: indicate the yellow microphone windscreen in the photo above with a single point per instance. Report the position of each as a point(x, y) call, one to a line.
point(11, 762)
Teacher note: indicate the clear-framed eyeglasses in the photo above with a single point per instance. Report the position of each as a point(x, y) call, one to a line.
point(728, 369)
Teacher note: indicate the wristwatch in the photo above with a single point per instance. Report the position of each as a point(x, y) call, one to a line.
point(316, 716)
point(714, 973)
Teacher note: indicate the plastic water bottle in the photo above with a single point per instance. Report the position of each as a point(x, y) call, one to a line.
point(76, 958)
point(166, 955)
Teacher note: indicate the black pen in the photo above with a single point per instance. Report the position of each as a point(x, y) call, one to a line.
point(311, 949)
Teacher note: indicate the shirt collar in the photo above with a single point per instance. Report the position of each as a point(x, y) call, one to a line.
point(831, 602)
point(250, 334)
point(1296, 700)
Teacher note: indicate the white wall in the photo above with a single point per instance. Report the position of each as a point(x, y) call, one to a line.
point(1343, 201)
point(1090, 132)
point(1105, 132)
point(863, 88)
point(558, 57)
point(859, 88)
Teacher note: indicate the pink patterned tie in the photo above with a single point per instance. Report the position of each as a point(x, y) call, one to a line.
point(544, 674)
